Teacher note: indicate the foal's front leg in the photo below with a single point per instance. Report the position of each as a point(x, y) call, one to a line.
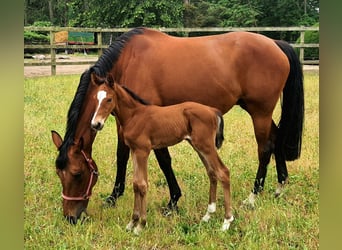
point(140, 186)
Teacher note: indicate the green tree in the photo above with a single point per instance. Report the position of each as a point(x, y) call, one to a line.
point(129, 13)
point(222, 13)
point(172, 13)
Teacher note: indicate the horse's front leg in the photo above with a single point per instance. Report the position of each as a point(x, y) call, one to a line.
point(164, 160)
point(140, 185)
point(122, 155)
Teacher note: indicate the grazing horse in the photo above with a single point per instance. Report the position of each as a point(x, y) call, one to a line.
point(236, 68)
point(146, 127)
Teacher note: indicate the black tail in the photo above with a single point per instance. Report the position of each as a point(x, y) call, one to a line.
point(290, 128)
point(219, 132)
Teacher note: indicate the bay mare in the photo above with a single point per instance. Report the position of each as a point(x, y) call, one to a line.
point(145, 127)
point(237, 68)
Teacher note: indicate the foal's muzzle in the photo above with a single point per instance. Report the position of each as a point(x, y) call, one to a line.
point(97, 125)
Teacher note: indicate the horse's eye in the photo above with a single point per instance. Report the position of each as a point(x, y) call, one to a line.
point(77, 175)
point(109, 100)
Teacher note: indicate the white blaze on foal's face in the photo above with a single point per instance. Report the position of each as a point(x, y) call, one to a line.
point(96, 121)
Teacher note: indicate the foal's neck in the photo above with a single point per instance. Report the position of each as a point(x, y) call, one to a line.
point(126, 105)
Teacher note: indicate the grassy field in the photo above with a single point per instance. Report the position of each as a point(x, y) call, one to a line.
point(288, 222)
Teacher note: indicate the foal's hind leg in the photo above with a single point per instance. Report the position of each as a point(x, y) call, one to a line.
point(212, 189)
point(216, 170)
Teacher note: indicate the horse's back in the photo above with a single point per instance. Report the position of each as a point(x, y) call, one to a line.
point(214, 70)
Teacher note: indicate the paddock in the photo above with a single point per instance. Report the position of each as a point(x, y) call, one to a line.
point(292, 221)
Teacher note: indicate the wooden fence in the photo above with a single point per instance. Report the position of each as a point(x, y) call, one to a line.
point(53, 47)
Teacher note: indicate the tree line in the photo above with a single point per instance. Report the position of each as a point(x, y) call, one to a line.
point(175, 13)
point(171, 13)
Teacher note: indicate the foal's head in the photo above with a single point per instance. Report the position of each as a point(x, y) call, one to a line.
point(105, 100)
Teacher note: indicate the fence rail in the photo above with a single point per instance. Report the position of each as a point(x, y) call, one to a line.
point(53, 47)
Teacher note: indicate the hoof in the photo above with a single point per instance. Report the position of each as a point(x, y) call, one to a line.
point(110, 201)
point(206, 217)
point(137, 230)
point(280, 189)
point(134, 227)
point(170, 209)
point(226, 223)
point(211, 209)
point(130, 226)
point(250, 201)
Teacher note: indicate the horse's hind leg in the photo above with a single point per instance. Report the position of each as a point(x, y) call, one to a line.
point(164, 160)
point(280, 165)
point(262, 130)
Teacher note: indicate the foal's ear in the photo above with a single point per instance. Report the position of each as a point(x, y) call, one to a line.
point(110, 79)
point(57, 139)
point(96, 79)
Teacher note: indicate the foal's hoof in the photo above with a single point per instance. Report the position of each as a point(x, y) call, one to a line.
point(134, 227)
point(226, 223)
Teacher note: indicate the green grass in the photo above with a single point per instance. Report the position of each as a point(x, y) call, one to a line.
point(289, 222)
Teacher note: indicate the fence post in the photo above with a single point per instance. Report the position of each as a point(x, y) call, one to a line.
point(52, 53)
point(301, 49)
point(99, 43)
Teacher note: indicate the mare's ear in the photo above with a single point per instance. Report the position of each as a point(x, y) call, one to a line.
point(57, 139)
point(110, 79)
point(95, 78)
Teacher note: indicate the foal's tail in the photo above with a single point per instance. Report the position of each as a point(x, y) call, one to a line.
point(290, 128)
point(219, 132)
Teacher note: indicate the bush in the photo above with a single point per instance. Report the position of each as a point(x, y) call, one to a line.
point(31, 37)
point(34, 37)
point(37, 37)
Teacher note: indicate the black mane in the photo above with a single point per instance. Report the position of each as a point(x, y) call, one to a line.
point(103, 65)
point(135, 96)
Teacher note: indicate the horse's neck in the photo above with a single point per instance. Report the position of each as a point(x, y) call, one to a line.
point(126, 105)
point(83, 130)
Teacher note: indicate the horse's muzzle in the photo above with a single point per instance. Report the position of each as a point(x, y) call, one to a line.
point(71, 219)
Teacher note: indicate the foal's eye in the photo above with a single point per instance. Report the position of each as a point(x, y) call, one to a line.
point(109, 100)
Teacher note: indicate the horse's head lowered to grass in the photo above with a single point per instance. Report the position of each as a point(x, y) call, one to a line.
point(78, 177)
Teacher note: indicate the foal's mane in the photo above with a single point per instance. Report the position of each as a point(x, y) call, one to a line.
point(135, 96)
point(103, 65)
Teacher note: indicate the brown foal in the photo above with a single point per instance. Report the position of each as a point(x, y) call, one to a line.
point(146, 127)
